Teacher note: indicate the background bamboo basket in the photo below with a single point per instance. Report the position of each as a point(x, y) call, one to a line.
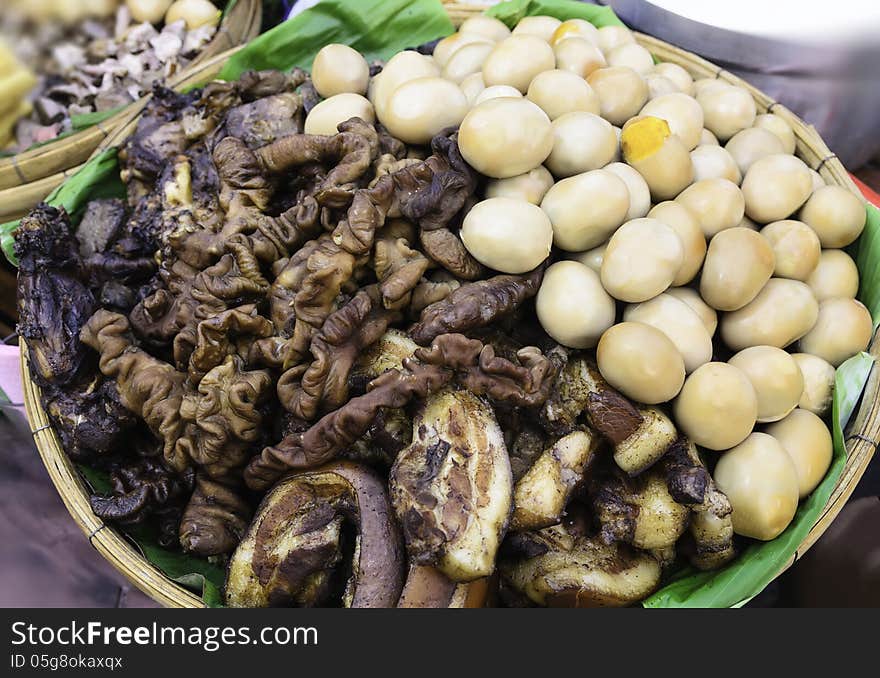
point(860, 434)
point(27, 178)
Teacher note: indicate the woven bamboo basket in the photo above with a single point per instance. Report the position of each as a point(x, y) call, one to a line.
point(861, 434)
point(27, 178)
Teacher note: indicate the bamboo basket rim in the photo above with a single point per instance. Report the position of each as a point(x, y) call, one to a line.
point(241, 24)
point(18, 201)
point(860, 435)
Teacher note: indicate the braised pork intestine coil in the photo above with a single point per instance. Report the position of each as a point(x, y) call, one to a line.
point(296, 545)
point(711, 525)
point(333, 393)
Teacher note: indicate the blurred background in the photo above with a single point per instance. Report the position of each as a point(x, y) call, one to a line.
point(820, 59)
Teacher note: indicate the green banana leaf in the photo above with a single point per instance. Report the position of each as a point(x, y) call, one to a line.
point(86, 120)
point(4, 400)
point(376, 28)
point(512, 11)
point(381, 28)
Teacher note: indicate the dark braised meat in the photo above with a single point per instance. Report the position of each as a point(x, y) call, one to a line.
point(100, 225)
point(639, 435)
point(638, 511)
point(153, 390)
point(171, 315)
point(398, 266)
point(451, 488)
point(90, 418)
point(433, 288)
point(141, 488)
point(159, 135)
point(53, 300)
point(266, 118)
point(212, 428)
point(324, 384)
point(338, 430)
point(558, 568)
point(475, 305)
point(301, 544)
point(435, 193)
point(711, 526)
point(542, 493)
point(215, 519)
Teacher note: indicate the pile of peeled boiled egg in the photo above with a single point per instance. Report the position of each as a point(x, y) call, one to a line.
point(698, 256)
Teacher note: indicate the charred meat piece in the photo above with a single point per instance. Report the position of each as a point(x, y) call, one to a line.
point(540, 496)
point(265, 119)
point(111, 266)
point(476, 305)
point(639, 511)
point(711, 525)
point(89, 418)
point(159, 136)
point(451, 488)
point(428, 587)
point(101, 224)
point(639, 435)
point(116, 296)
point(559, 569)
point(391, 430)
point(294, 551)
point(53, 300)
point(144, 229)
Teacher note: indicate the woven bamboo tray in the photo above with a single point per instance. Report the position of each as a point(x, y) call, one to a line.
point(863, 429)
point(27, 178)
